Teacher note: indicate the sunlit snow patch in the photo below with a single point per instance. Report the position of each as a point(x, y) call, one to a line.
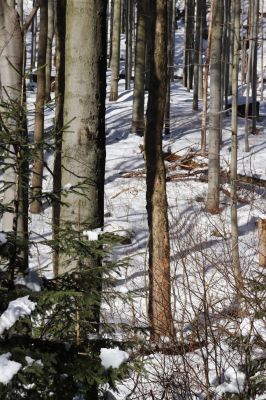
point(16, 309)
point(8, 368)
point(113, 357)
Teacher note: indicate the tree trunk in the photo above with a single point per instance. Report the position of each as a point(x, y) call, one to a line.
point(215, 111)
point(170, 61)
point(37, 171)
point(262, 242)
point(33, 41)
point(254, 64)
point(11, 47)
point(59, 123)
point(115, 60)
point(83, 145)
point(205, 85)
point(139, 83)
point(159, 257)
point(129, 42)
point(233, 166)
point(196, 56)
point(50, 35)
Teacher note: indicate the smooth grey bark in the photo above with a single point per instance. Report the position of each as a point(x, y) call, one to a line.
point(50, 35)
point(11, 45)
point(37, 170)
point(159, 251)
point(262, 52)
point(115, 60)
point(170, 62)
point(59, 123)
point(197, 55)
point(33, 41)
point(139, 82)
point(254, 64)
point(227, 45)
point(83, 145)
point(189, 44)
point(129, 42)
point(215, 110)
point(233, 165)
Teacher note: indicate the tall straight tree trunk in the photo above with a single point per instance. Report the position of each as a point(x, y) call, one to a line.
point(37, 171)
point(205, 85)
point(129, 35)
point(234, 224)
point(115, 60)
point(83, 144)
point(159, 251)
point(254, 64)
point(189, 44)
point(139, 83)
point(50, 35)
point(59, 122)
point(170, 62)
point(262, 52)
point(227, 46)
point(33, 41)
point(215, 110)
point(196, 56)
point(11, 47)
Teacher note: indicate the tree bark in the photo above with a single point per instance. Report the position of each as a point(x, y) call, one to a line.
point(215, 111)
point(115, 60)
point(11, 47)
point(59, 124)
point(159, 260)
point(50, 35)
point(83, 145)
point(262, 241)
point(139, 82)
point(233, 166)
point(37, 171)
point(129, 42)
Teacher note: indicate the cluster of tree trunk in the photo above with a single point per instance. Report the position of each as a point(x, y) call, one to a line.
point(81, 31)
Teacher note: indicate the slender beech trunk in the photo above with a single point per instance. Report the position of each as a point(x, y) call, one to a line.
point(255, 64)
point(215, 111)
point(170, 62)
point(205, 85)
point(115, 60)
point(233, 166)
point(50, 35)
point(83, 144)
point(227, 46)
point(59, 122)
point(196, 56)
point(37, 171)
point(159, 251)
point(139, 83)
point(33, 41)
point(262, 53)
point(111, 20)
point(11, 48)
point(129, 34)
point(173, 29)
point(189, 44)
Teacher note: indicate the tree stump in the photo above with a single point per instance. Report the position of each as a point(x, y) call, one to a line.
point(262, 241)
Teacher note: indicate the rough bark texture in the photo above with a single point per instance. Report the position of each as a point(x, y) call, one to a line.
point(139, 83)
point(196, 56)
point(215, 110)
point(37, 171)
point(234, 223)
point(115, 60)
point(83, 147)
point(159, 260)
point(59, 122)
